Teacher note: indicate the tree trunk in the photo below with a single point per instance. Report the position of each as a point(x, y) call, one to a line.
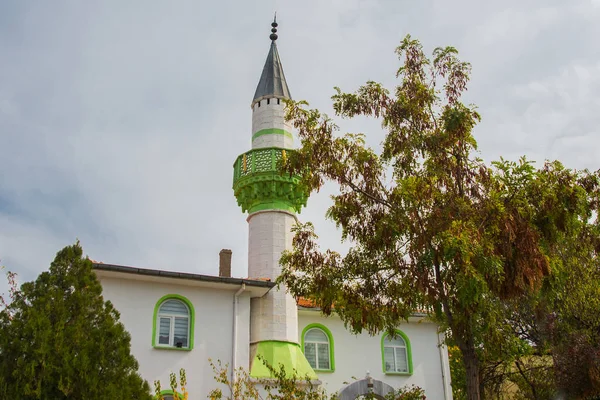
point(462, 332)
point(481, 387)
point(472, 369)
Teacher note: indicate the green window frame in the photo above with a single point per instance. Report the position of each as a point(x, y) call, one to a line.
point(168, 393)
point(156, 323)
point(401, 347)
point(330, 343)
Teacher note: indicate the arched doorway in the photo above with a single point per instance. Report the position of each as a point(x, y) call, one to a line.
point(364, 389)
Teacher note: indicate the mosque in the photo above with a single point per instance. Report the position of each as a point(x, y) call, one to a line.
point(180, 320)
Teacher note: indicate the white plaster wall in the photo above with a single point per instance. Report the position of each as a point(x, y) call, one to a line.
point(357, 354)
point(269, 116)
point(213, 330)
point(273, 316)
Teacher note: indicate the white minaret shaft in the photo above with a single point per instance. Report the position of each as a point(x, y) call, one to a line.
point(269, 128)
point(275, 316)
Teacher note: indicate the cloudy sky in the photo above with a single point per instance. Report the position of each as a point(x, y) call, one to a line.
point(120, 120)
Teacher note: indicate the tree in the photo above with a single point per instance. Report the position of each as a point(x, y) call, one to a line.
point(60, 340)
point(556, 329)
point(11, 278)
point(560, 322)
point(285, 385)
point(432, 226)
point(173, 384)
point(572, 326)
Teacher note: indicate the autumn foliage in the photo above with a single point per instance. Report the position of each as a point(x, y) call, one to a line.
point(432, 226)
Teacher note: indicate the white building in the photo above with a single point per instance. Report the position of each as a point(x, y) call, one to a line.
point(180, 320)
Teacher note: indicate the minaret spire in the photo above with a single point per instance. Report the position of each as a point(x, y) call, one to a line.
point(272, 81)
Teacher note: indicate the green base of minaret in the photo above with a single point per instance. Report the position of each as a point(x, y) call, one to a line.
point(279, 355)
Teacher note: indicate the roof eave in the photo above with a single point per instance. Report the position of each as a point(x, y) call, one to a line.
point(413, 315)
point(257, 288)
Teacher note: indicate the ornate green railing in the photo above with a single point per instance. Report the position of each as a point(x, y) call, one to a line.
point(259, 185)
point(257, 161)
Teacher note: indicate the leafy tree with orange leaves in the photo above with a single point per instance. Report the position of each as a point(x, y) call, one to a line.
point(432, 226)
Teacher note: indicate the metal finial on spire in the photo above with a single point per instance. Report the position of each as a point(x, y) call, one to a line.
point(273, 36)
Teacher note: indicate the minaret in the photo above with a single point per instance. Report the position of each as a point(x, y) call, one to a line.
point(271, 200)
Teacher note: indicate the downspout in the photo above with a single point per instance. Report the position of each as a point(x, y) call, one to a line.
point(235, 335)
point(445, 382)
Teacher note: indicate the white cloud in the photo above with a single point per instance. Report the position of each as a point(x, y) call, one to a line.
point(120, 121)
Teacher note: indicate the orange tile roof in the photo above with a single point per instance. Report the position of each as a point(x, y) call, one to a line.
point(306, 303)
point(260, 279)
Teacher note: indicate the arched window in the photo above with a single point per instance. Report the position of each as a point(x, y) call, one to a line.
point(317, 344)
point(396, 354)
point(168, 395)
point(173, 323)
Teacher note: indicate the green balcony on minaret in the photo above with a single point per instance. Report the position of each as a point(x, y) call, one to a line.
point(259, 184)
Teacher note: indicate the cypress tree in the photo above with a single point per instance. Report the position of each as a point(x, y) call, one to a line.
point(59, 339)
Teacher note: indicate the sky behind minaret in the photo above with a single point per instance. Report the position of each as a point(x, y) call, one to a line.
point(120, 121)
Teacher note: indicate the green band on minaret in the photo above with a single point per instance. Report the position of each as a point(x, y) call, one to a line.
point(272, 131)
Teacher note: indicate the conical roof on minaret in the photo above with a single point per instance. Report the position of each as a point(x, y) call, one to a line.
point(272, 80)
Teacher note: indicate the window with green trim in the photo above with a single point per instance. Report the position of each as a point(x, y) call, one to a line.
point(173, 323)
point(317, 345)
point(396, 354)
point(168, 395)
